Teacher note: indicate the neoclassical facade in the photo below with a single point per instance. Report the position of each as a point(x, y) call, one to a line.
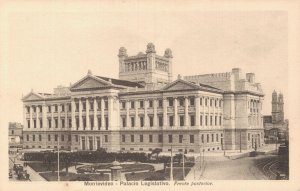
point(145, 109)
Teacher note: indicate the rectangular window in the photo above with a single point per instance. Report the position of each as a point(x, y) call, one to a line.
point(69, 137)
point(124, 121)
point(216, 120)
point(99, 104)
point(106, 104)
point(151, 121)
point(132, 104)
point(28, 109)
point(56, 123)
point(69, 107)
point(34, 109)
point(141, 104)
point(160, 103)
point(41, 123)
point(216, 103)
point(192, 139)
point(49, 137)
point(205, 101)
point(123, 104)
point(55, 108)
point(70, 122)
point(171, 102)
point(91, 105)
point(171, 121)
point(248, 136)
point(63, 123)
point(123, 138)
point(220, 120)
point(77, 106)
point(180, 138)
point(192, 117)
point(160, 121)
point(132, 138)
point(201, 118)
point(33, 137)
point(92, 122)
point(99, 122)
point(217, 137)
point(62, 138)
point(220, 103)
point(202, 138)
point(181, 120)
point(55, 137)
point(142, 121)
point(141, 138)
point(27, 137)
point(201, 101)
point(205, 120)
point(106, 138)
point(12, 132)
point(28, 123)
point(49, 123)
point(34, 123)
point(150, 103)
point(181, 102)
point(40, 137)
point(192, 101)
point(212, 138)
point(49, 108)
point(150, 138)
point(62, 108)
point(106, 123)
point(83, 106)
point(210, 102)
point(170, 139)
point(132, 122)
point(211, 120)
point(76, 138)
point(77, 122)
point(160, 138)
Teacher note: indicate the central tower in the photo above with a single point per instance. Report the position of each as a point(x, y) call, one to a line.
point(146, 68)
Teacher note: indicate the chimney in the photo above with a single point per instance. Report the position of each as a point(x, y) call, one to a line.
point(250, 77)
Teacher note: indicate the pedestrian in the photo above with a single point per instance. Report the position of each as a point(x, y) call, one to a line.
point(27, 176)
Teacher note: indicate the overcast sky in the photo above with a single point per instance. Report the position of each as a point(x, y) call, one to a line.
point(46, 48)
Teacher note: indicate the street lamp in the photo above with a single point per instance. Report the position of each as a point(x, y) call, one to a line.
point(171, 165)
point(58, 178)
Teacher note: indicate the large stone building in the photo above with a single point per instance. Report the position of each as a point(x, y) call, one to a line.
point(276, 127)
point(145, 109)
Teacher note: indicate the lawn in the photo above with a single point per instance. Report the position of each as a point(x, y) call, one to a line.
point(41, 167)
point(49, 176)
point(125, 167)
point(158, 175)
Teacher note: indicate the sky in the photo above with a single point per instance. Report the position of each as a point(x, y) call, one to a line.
point(45, 48)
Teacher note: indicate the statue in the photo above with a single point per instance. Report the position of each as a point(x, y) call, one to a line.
point(168, 53)
point(122, 52)
point(150, 48)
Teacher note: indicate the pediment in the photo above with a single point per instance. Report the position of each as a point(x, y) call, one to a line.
point(181, 85)
point(32, 96)
point(90, 82)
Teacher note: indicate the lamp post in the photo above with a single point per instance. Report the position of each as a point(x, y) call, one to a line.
point(58, 178)
point(171, 165)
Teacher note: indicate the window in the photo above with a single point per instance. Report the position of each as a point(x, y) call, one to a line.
point(206, 120)
point(207, 138)
point(192, 117)
point(12, 132)
point(41, 123)
point(216, 103)
point(211, 120)
point(132, 121)
point(62, 138)
point(124, 121)
point(70, 122)
point(56, 123)
point(181, 120)
point(180, 138)
point(106, 104)
point(77, 122)
point(141, 138)
point(170, 139)
point(216, 120)
point(192, 139)
point(62, 108)
point(202, 138)
point(28, 109)
point(123, 104)
point(106, 138)
point(217, 137)
point(92, 122)
point(151, 121)
point(28, 123)
point(34, 123)
point(160, 103)
point(27, 137)
point(49, 137)
point(142, 121)
point(170, 102)
point(49, 108)
point(49, 123)
point(220, 120)
point(55, 137)
point(181, 102)
point(220, 103)
point(160, 121)
point(201, 118)
point(123, 138)
point(91, 105)
point(99, 123)
point(106, 123)
point(205, 101)
point(69, 137)
point(83, 106)
point(192, 101)
point(76, 138)
point(212, 138)
point(210, 102)
point(40, 137)
point(34, 109)
point(150, 103)
point(56, 108)
point(160, 138)
point(141, 104)
point(171, 121)
point(248, 136)
point(69, 107)
point(99, 104)
point(63, 123)
point(77, 106)
point(150, 138)
point(201, 101)
point(132, 138)
point(132, 104)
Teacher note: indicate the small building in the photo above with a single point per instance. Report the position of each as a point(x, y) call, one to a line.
point(15, 134)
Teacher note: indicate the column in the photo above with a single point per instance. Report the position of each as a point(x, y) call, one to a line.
point(58, 113)
point(87, 142)
point(175, 111)
point(197, 102)
point(37, 117)
point(186, 111)
point(127, 114)
point(87, 114)
point(52, 117)
point(165, 109)
point(146, 118)
point(110, 110)
point(102, 114)
point(155, 124)
point(73, 107)
point(66, 115)
point(80, 115)
point(30, 116)
point(95, 114)
point(44, 113)
point(80, 142)
point(24, 117)
point(136, 117)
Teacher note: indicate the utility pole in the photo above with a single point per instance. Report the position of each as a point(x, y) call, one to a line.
point(171, 165)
